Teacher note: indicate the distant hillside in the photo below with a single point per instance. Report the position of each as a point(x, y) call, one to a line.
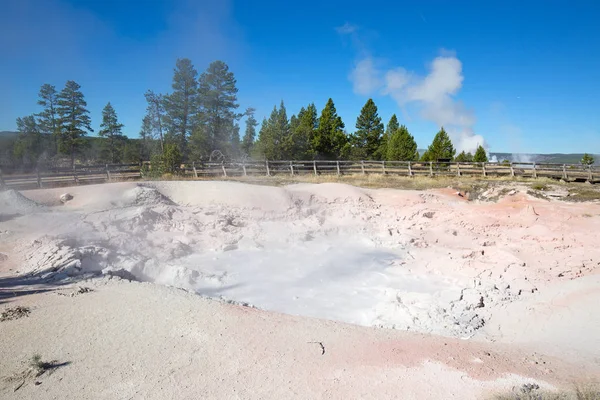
point(559, 158)
point(4, 134)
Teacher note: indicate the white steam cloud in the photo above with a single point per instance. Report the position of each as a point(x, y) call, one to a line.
point(434, 94)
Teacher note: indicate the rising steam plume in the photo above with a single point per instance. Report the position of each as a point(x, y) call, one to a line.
point(434, 94)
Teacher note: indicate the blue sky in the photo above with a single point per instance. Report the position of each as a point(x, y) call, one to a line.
point(520, 76)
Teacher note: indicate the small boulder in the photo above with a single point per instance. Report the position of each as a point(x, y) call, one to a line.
point(65, 197)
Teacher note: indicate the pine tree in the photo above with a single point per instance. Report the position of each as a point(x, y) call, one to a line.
point(111, 129)
point(74, 119)
point(154, 120)
point(171, 158)
point(181, 106)
point(587, 159)
point(250, 132)
point(464, 157)
point(391, 127)
point(28, 146)
point(440, 148)
point(302, 129)
point(329, 138)
point(369, 130)
point(48, 120)
point(480, 155)
point(218, 105)
point(402, 146)
point(267, 144)
point(282, 133)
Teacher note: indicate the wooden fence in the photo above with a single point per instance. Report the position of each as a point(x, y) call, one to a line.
point(54, 177)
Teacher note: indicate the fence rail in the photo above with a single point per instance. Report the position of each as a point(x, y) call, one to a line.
point(55, 177)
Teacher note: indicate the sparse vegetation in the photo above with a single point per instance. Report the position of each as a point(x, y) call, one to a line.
point(35, 367)
point(14, 313)
point(579, 193)
point(533, 392)
point(38, 367)
point(587, 159)
point(539, 186)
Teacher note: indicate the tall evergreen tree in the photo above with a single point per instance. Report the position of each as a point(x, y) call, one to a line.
point(302, 130)
point(283, 133)
point(402, 146)
point(480, 155)
point(390, 128)
point(440, 148)
point(329, 138)
point(218, 101)
point(181, 106)
point(48, 120)
point(250, 132)
point(272, 134)
point(267, 143)
point(74, 119)
point(111, 129)
point(154, 120)
point(28, 146)
point(369, 130)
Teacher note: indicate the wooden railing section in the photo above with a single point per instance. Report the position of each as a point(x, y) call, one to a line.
point(55, 177)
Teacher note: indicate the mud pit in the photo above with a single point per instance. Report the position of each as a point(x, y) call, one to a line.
point(520, 270)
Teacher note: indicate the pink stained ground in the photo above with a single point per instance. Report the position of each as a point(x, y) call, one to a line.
point(133, 340)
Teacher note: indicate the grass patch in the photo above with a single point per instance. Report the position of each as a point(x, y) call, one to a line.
point(539, 186)
point(14, 313)
point(580, 194)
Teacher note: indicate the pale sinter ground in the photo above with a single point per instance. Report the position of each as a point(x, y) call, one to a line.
point(522, 271)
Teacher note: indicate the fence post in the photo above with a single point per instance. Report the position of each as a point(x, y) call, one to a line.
point(534, 171)
point(512, 170)
point(244, 167)
point(565, 172)
point(107, 173)
point(483, 169)
point(457, 169)
point(409, 169)
point(338, 166)
point(268, 171)
point(39, 178)
point(75, 175)
point(315, 166)
point(292, 167)
point(195, 170)
point(362, 166)
point(430, 168)
point(223, 168)
point(383, 166)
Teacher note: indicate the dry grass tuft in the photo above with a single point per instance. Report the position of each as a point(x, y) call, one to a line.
point(14, 313)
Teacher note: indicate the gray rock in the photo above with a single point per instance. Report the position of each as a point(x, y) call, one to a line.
point(65, 197)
